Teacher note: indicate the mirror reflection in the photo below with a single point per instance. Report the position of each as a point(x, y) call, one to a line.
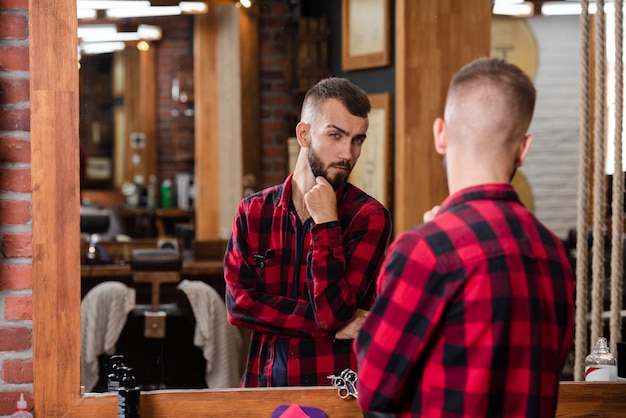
point(151, 294)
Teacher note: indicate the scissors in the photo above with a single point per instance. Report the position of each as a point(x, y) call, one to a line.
point(345, 383)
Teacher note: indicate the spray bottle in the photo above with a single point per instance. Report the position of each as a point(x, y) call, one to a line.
point(22, 410)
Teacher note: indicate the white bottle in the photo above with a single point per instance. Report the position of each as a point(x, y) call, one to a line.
point(22, 410)
point(600, 365)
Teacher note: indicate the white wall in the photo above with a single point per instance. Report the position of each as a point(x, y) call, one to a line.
point(551, 168)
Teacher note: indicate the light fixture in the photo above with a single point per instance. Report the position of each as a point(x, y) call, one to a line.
point(110, 4)
point(92, 48)
point(513, 8)
point(129, 12)
point(245, 3)
point(193, 7)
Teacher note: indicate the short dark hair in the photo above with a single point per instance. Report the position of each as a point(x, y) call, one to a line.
point(519, 89)
point(349, 94)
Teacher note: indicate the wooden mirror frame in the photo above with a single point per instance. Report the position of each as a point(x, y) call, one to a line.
point(56, 264)
point(56, 257)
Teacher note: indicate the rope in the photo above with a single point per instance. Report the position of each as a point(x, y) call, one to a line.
point(599, 188)
point(583, 202)
point(617, 202)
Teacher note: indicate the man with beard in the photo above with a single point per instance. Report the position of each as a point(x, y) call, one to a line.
point(474, 316)
point(303, 255)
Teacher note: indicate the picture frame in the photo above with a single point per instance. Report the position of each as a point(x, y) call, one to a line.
point(372, 172)
point(365, 34)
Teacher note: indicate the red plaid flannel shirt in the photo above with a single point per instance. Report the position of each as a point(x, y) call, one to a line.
point(334, 268)
point(474, 317)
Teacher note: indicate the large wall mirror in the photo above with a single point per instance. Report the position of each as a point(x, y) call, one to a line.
point(54, 98)
point(56, 253)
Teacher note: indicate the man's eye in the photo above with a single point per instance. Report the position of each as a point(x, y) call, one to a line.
point(358, 140)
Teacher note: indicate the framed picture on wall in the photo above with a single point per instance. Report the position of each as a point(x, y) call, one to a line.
point(365, 34)
point(372, 172)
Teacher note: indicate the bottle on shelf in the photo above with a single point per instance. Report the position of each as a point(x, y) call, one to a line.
point(128, 395)
point(600, 365)
point(114, 377)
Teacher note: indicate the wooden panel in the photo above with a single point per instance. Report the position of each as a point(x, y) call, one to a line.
point(55, 226)
point(206, 125)
point(250, 101)
point(434, 38)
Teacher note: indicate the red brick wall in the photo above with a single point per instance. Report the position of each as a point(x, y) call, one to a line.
point(280, 106)
point(16, 366)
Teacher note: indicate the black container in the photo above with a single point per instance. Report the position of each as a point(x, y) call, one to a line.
point(128, 395)
point(114, 377)
point(621, 361)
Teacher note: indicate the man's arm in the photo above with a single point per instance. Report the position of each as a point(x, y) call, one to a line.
point(252, 307)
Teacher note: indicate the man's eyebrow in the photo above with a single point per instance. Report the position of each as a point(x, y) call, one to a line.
point(343, 131)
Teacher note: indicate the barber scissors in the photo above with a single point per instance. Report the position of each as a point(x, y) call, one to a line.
point(345, 383)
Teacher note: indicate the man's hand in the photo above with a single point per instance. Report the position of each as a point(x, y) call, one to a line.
point(321, 201)
point(351, 329)
point(429, 215)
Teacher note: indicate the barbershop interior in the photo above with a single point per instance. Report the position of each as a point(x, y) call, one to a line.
point(178, 110)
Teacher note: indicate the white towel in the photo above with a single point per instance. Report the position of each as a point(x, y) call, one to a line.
point(103, 314)
point(221, 342)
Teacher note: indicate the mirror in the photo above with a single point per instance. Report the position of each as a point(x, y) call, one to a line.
point(56, 271)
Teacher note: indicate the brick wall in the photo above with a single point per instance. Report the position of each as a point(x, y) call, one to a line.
point(280, 106)
point(16, 355)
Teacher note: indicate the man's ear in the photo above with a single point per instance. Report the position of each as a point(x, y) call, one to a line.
point(523, 149)
point(439, 134)
point(302, 133)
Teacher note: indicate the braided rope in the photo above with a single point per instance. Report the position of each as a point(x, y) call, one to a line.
point(599, 187)
point(617, 219)
point(583, 201)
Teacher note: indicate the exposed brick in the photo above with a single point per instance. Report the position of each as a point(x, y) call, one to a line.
point(8, 401)
point(16, 277)
point(17, 244)
point(18, 308)
point(14, 4)
point(14, 58)
point(14, 119)
point(15, 339)
point(13, 26)
point(14, 150)
point(14, 212)
point(17, 370)
point(14, 90)
point(15, 180)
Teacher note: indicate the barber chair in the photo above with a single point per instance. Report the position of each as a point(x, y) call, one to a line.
point(157, 340)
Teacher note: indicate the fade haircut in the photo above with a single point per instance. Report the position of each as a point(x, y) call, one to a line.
point(518, 89)
point(350, 95)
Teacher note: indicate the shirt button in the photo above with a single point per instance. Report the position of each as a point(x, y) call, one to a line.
point(317, 239)
point(291, 353)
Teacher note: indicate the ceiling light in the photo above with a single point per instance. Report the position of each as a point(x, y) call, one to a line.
point(512, 8)
point(143, 11)
point(564, 8)
point(245, 3)
point(193, 7)
point(86, 13)
point(96, 31)
point(110, 4)
point(100, 47)
point(149, 32)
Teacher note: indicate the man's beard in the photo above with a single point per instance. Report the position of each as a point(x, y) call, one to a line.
point(317, 167)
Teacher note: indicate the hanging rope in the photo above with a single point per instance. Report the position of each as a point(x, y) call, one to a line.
point(617, 208)
point(599, 187)
point(582, 249)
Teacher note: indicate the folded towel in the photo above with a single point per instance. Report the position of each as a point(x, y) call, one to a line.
point(103, 314)
point(221, 342)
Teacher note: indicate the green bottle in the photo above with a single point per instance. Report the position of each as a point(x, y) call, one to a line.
point(166, 194)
